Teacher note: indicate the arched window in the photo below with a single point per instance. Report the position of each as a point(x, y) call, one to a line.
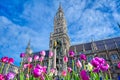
point(114, 56)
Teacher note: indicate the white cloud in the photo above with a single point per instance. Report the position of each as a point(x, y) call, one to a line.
point(14, 39)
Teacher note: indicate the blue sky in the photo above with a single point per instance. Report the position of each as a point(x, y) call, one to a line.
point(21, 20)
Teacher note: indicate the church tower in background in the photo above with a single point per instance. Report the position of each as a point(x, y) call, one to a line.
point(61, 38)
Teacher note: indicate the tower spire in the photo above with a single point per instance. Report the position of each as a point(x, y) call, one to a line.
point(60, 6)
point(28, 49)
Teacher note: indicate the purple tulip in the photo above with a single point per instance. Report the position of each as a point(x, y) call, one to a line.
point(99, 64)
point(100, 60)
point(37, 71)
point(104, 67)
point(71, 53)
point(22, 55)
point(39, 66)
point(96, 70)
point(83, 57)
point(84, 75)
point(94, 62)
point(10, 76)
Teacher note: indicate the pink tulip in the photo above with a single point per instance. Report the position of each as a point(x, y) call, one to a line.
point(118, 65)
point(29, 66)
point(50, 54)
point(65, 59)
point(44, 69)
point(4, 59)
point(27, 75)
point(29, 59)
point(78, 64)
point(41, 58)
point(42, 53)
point(25, 66)
point(11, 60)
point(64, 73)
point(42, 77)
point(36, 57)
point(2, 77)
point(52, 70)
point(69, 69)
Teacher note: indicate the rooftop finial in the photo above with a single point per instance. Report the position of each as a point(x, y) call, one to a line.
point(28, 46)
point(60, 6)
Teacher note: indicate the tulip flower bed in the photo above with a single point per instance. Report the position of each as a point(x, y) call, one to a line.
point(96, 69)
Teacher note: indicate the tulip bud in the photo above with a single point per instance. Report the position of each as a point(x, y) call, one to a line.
point(36, 57)
point(65, 59)
point(29, 59)
point(78, 64)
point(50, 54)
point(42, 53)
point(64, 73)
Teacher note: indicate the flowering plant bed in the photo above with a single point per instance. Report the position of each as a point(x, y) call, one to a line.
point(96, 69)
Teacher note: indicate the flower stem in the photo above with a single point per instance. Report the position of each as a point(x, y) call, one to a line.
point(109, 74)
point(73, 64)
point(84, 65)
point(7, 68)
point(1, 68)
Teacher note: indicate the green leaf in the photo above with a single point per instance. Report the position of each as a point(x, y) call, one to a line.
point(21, 76)
point(106, 76)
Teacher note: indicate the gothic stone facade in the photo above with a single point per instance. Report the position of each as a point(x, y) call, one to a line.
point(109, 49)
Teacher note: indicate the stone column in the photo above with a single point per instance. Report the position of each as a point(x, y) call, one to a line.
point(54, 61)
point(49, 63)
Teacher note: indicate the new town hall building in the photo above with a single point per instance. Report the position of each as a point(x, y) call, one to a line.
point(109, 49)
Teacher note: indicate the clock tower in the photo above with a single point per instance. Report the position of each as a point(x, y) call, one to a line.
point(61, 37)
